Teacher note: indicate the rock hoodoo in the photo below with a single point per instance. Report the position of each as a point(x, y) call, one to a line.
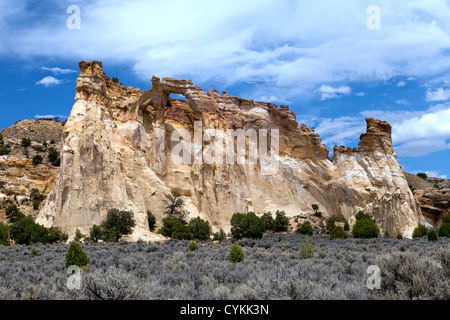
point(117, 154)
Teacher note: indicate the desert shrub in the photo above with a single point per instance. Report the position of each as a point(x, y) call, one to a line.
point(446, 219)
point(118, 224)
point(200, 229)
point(219, 236)
point(37, 159)
point(36, 204)
point(26, 142)
point(4, 234)
point(315, 207)
point(151, 220)
point(306, 229)
point(55, 235)
point(399, 237)
point(410, 276)
point(75, 256)
point(115, 80)
point(13, 213)
point(26, 231)
point(95, 233)
point(4, 150)
point(268, 221)
point(52, 155)
point(247, 226)
point(444, 230)
point(420, 231)
point(422, 175)
point(173, 207)
point(34, 252)
point(432, 235)
point(236, 254)
point(346, 227)
point(193, 246)
point(281, 221)
point(330, 224)
point(307, 249)
point(365, 227)
point(338, 233)
point(78, 236)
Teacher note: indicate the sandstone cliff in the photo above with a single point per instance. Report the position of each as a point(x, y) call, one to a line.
point(117, 154)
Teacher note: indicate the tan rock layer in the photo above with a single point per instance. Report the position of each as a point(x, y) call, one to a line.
point(117, 154)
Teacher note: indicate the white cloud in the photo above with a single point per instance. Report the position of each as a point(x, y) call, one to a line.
point(440, 94)
point(58, 71)
point(49, 81)
point(401, 84)
point(360, 94)
point(294, 45)
point(328, 92)
point(402, 102)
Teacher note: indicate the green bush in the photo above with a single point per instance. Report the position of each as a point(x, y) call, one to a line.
point(36, 204)
point(346, 227)
point(219, 236)
point(268, 221)
point(306, 229)
point(330, 224)
point(4, 234)
point(193, 246)
point(26, 231)
point(95, 233)
point(338, 233)
point(118, 224)
point(444, 230)
point(151, 220)
point(34, 252)
point(307, 249)
point(13, 213)
point(399, 237)
point(52, 141)
point(75, 256)
point(446, 219)
point(175, 229)
point(236, 254)
point(26, 142)
point(4, 150)
point(173, 207)
point(78, 236)
point(37, 159)
point(247, 226)
point(420, 232)
point(52, 155)
point(365, 227)
point(432, 235)
point(200, 229)
point(422, 175)
point(281, 221)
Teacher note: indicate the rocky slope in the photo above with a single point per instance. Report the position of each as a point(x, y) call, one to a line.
point(433, 195)
point(117, 153)
point(18, 174)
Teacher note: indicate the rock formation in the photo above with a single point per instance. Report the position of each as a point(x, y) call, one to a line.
point(117, 154)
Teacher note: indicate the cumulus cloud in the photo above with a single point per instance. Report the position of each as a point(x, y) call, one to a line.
point(294, 45)
point(328, 92)
point(49, 81)
point(401, 84)
point(439, 94)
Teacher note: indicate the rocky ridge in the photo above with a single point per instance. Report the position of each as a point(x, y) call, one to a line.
point(117, 154)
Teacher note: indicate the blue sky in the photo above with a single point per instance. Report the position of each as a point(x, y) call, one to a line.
point(318, 57)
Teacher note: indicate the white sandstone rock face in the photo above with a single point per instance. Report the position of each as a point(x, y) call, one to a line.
point(117, 154)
